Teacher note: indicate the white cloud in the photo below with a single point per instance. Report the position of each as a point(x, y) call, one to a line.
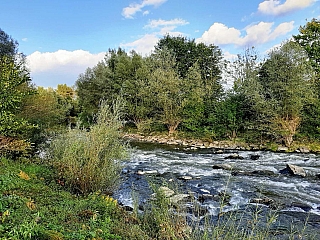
point(220, 34)
point(129, 12)
point(165, 23)
point(275, 7)
point(145, 44)
point(229, 56)
point(52, 68)
point(24, 39)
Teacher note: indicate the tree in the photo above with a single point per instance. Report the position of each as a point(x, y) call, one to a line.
point(209, 59)
point(8, 46)
point(309, 39)
point(166, 86)
point(287, 81)
point(14, 86)
point(136, 89)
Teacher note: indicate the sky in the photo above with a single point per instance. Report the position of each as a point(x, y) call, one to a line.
point(62, 38)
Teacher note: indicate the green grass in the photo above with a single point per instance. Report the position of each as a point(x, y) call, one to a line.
point(33, 205)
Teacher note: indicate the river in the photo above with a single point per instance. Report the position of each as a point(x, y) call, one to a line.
point(248, 182)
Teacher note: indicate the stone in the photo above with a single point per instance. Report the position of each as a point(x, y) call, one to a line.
point(149, 172)
point(223, 166)
point(264, 201)
point(166, 191)
point(305, 207)
point(262, 172)
point(304, 149)
point(254, 156)
point(185, 178)
point(204, 197)
point(179, 198)
point(282, 149)
point(294, 170)
point(234, 156)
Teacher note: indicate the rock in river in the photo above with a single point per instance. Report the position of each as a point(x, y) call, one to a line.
point(294, 170)
point(224, 166)
point(234, 156)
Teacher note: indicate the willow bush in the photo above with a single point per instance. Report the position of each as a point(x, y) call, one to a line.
point(88, 160)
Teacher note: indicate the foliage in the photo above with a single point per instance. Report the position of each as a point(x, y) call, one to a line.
point(287, 80)
point(209, 60)
point(309, 39)
point(88, 161)
point(166, 86)
point(8, 46)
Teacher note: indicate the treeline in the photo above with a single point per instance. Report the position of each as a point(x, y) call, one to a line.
point(179, 87)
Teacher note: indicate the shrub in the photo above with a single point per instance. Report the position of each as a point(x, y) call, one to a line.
point(89, 160)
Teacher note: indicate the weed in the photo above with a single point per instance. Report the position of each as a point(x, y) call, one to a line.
point(88, 161)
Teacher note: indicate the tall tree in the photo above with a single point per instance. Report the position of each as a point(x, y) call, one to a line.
point(309, 39)
point(8, 46)
point(14, 86)
point(287, 80)
point(209, 59)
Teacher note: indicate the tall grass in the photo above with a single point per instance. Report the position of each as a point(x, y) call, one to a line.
point(89, 160)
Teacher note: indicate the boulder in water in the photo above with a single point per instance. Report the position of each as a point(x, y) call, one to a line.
point(305, 207)
point(254, 156)
point(264, 201)
point(185, 178)
point(224, 166)
point(294, 170)
point(234, 156)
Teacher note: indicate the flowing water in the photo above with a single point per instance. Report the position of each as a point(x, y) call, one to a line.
point(247, 180)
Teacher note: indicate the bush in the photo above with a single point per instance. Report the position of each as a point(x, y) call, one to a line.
point(89, 160)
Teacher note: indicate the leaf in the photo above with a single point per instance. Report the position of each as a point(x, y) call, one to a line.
point(23, 175)
point(31, 205)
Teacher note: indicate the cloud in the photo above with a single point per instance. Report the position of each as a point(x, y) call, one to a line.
point(274, 7)
point(220, 34)
point(24, 39)
point(52, 68)
point(165, 23)
point(145, 44)
point(129, 12)
point(229, 56)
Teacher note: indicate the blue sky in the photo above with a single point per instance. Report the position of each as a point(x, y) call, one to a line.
point(61, 38)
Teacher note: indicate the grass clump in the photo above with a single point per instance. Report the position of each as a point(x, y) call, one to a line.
point(89, 160)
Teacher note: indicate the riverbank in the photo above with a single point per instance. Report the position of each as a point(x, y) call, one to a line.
point(220, 146)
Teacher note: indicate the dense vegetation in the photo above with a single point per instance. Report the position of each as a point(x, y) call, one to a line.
point(177, 89)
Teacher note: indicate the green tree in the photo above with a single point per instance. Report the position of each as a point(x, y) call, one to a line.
point(287, 81)
point(103, 81)
point(166, 86)
point(15, 84)
point(139, 101)
point(309, 39)
point(8, 46)
point(209, 59)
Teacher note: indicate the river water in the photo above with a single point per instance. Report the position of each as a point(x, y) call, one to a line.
point(246, 181)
